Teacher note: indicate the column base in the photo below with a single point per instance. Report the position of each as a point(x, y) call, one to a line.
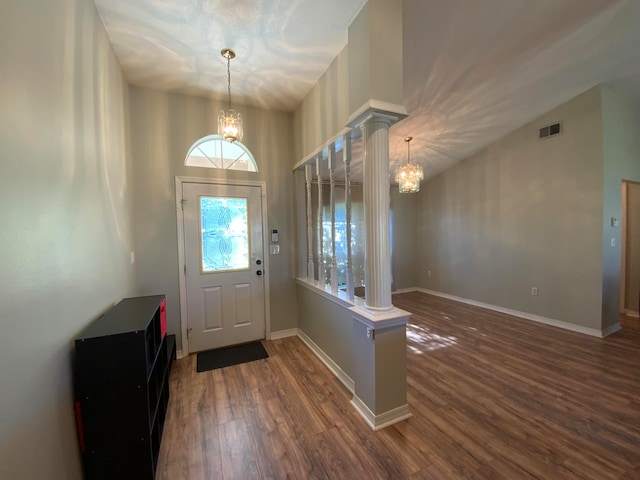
point(380, 318)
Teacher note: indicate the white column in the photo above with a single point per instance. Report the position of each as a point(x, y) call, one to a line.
point(347, 204)
point(322, 271)
point(377, 274)
point(333, 266)
point(308, 172)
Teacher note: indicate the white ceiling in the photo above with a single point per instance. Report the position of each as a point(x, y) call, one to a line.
point(473, 70)
point(282, 46)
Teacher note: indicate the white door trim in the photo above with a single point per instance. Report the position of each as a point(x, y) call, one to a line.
point(181, 252)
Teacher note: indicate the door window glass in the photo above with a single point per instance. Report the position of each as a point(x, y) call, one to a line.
point(224, 227)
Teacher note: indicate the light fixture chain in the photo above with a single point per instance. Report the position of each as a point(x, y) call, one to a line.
point(229, 78)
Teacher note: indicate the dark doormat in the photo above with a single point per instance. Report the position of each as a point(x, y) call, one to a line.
point(227, 356)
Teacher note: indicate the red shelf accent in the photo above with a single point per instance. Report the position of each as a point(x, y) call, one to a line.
point(79, 425)
point(163, 318)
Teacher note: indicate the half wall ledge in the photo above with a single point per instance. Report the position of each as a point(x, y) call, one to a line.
point(371, 349)
point(380, 365)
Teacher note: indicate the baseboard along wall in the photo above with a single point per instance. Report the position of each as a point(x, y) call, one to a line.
point(524, 315)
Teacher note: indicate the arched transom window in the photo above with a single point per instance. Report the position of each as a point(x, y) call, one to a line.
point(214, 152)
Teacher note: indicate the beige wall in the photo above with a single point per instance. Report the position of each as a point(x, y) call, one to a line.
point(66, 232)
point(324, 111)
point(330, 327)
point(621, 156)
point(522, 213)
point(163, 127)
point(375, 54)
point(368, 68)
point(403, 237)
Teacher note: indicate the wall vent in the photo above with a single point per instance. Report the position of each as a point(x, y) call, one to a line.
point(550, 130)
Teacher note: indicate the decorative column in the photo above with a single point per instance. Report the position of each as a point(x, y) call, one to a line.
point(322, 271)
point(333, 266)
point(308, 172)
point(347, 204)
point(379, 329)
point(377, 274)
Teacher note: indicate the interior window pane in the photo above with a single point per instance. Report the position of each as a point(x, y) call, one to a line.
point(225, 237)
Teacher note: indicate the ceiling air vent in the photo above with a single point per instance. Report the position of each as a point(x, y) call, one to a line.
point(550, 130)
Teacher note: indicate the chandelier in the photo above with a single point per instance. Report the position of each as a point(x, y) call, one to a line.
point(410, 175)
point(229, 122)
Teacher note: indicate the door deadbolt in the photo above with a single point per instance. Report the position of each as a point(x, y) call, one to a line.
point(259, 272)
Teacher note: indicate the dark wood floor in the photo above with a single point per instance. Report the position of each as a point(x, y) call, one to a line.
point(630, 323)
point(492, 397)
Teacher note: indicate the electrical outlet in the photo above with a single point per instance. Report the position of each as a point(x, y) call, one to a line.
point(534, 291)
point(369, 332)
point(428, 273)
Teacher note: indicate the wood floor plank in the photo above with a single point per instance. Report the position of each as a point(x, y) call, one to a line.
point(632, 474)
point(349, 428)
point(492, 397)
point(397, 455)
point(238, 456)
point(205, 455)
point(173, 463)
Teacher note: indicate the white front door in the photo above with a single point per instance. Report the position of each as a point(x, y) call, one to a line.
point(224, 265)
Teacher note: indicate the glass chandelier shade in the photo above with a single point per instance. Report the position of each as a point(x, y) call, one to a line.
point(410, 175)
point(230, 125)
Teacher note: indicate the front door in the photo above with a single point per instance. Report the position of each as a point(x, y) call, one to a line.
point(224, 269)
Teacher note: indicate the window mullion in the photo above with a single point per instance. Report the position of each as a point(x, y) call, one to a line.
point(332, 207)
point(322, 273)
point(346, 152)
point(308, 172)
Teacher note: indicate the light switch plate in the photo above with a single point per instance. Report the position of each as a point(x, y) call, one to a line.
point(275, 249)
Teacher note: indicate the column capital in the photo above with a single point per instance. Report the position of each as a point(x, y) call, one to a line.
point(374, 110)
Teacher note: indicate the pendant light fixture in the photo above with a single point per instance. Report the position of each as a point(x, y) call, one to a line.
point(410, 175)
point(230, 122)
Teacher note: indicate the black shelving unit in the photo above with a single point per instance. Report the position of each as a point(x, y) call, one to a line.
point(122, 366)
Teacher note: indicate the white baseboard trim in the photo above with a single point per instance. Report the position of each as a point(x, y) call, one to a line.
point(179, 354)
point(291, 332)
point(405, 290)
point(382, 420)
point(527, 316)
point(611, 329)
point(346, 380)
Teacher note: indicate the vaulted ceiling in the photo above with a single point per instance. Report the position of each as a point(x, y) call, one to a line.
point(473, 71)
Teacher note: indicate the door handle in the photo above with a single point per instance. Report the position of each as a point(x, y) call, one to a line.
point(259, 272)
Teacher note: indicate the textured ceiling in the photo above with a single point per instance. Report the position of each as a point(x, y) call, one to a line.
point(473, 70)
point(282, 46)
